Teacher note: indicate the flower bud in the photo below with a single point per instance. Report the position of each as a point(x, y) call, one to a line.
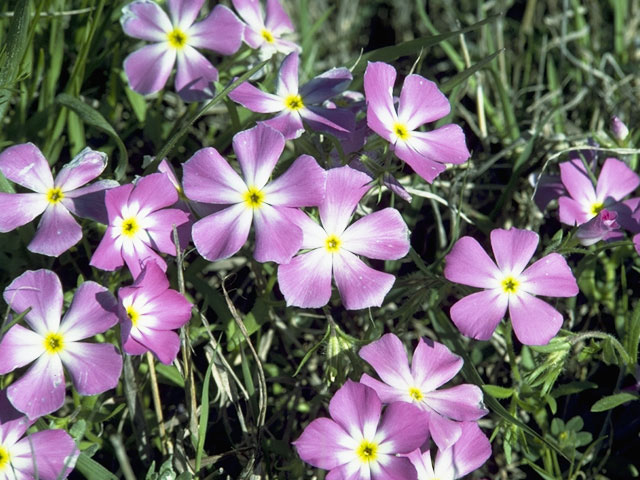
point(619, 129)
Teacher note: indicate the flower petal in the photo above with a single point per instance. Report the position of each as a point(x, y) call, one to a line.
point(153, 192)
point(194, 76)
point(477, 315)
point(209, 178)
point(222, 234)
point(325, 86)
point(443, 145)
point(184, 12)
point(467, 263)
point(325, 444)
point(356, 408)
point(250, 12)
point(382, 235)
point(534, 322)
point(84, 167)
point(288, 123)
point(92, 311)
point(577, 181)
point(107, 256)
point(360, 286)
point(89, 201)
point(168, 311)
point(403, 428)
point(94, 367)
point(345, 188)
point(145, 20)
point(41, 290)
point(20, 347)
point(386, 393)
point(513, 248)
point(221, 32)
point(255, 99)
point(616, 180)
point(462, 402)
point(53, 451)
point(572, 212)
point(339, 122)
point(160, 229)
point(306, 280)
point(433, 365)
point(277, 237)
point(149, 68)
point(277, 20)
point(468, 453)
point(19, 209)
point(426, 167)
point(288, 75)
point(164, 344)
point(379, 78)
point(389, 359)
point(313, 235)
point(302, 185)
point(137, 253)
point(40, 390)
point(258, 150)
point(57, 232)
point(25, 165)
point(550, 276)
point(445, 432)
point(420, 102)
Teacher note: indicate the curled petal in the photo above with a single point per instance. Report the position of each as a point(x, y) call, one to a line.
point(85, 166)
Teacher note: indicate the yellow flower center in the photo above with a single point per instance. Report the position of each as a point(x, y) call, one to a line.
point(367, 451)
point(415, 394)
point(293, 102)
point(401, 131)
point(510, 285)
point(563, 436)
point(54, 195)
point(4, 458)
point(177, 38)
point(332, 243)
point(133, 315)
point(596, 208)
point(53, 343)
point(267, 35)
point(130, 227)
point(253, 197)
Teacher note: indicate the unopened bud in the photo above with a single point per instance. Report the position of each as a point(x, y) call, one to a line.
point(619, 129)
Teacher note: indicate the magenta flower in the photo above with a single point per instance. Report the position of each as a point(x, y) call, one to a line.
point(209, 178)
point(265, 32)
point(57, 231)
point(358, 442)
point(466, 455)
point(50, 453)
point(176, 38)
point(601, 227)
point(420, 102)
point(139, 224)
point(294, 104)
point(583, 202)
point(508, 285)
point(431, 367)
point(150, 312)
point(54, 344)
point(306, 280)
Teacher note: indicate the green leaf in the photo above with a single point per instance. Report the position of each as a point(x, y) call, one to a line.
point(498, 392)
point(612, 401)
point(450, 84)
point(94, 118)
point(572, 387)
point(170, 374)
point(204, 417)
point(93, 470)
point(313, 349)
point(13, 53)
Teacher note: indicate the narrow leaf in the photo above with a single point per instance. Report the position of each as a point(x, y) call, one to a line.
point(612, 401)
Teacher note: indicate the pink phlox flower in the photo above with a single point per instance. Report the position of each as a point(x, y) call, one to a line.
point(208, 178)
point(56, 199)
point(420, 102)
point(176, 38)
point(432, 366)
point(508, 285)
point(149, 313)
point(294, 105)
point(265, 31)
point(139, 224)
point(53, 343)
point(388, 180)
point(334, 246)
point(583, 202)
point(47, 455)
point(359, 442)
point(601, 227)
point(467, 454)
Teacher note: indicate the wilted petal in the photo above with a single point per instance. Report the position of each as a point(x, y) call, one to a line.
point(25, 165)
point(306, 280)
point(92, 311)
point(356, 408)
point(379, 78)
point(325, 444)
point(19, 347)
point(255, 99)
point(302, 185)
point(209, 178)
point(41, 389)
point(145, 20)
point(420, 102)
point(345, 187)
point(513, 248)
point(534, 322)
point(433, 365)
point(277, 237)
point(469, 264)
point(616, 180)
point(477, 315)
point(222, 234)
point(221, 32)
point(389, 359)
point(84, 167)
point(360, 286)
point(550, 276)
point(258, 150)
point(382, 235)
point(94, 367)
point(149, 68)
point(57, 232)
point(19, 209)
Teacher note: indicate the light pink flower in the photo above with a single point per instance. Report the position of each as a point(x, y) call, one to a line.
point(265, 31)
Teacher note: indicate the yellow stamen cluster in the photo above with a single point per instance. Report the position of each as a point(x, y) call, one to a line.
point(253, 197)
point(367, 451)
point(267, 35)
point(4, 458)
point(54, 195)
point(53, 343)
point(510, 284)
point(130, 227)
point(401, 131)
point(133, 315)
point(177, 38)
point(332, 243)
point(293, 102)
point(416, 394)
point(596, 207)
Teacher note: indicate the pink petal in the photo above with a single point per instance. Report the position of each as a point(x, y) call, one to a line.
point(379, 78)
point(386, 393)
point(577, 181)
point(616, 180)
point(89, 201)
point(313, 235)
point(444, 432)
point(336, 121)
point(288, 123)
point(19, 209)
point(41, 290)
point(258, 150)
point(389, 359)
point(467, 263)
point(151, 283)
point(153, 192)
point(250, 12)
point(19, 347)
point(356, 408)
point(41, 389)
point(168, 311)
point(53, 451)
point(107, 256)
point(306, 280)
point(84, 167)
point(288, 76)
point(277, 237)
point(360, 286)
point(164, 344)
point(195, 75)
point(421, 102)
point(603, 226)
point(469, 453)
point(92, 311)
point(513, 248)
point(57, 232)
point(209, 178)
point(550, 276)
point(255, 99)
point(137, 254)
point(222, 234)
point(477, 315)
point(302, 185)
point(443, 145)
point(145, 20)
point(117, 199)
point(149, 68)
point(25, 165)
point(160, 228)
point(433, 365)
point(426, 167)
point(129, 344)
point(422, 463)
point(382, 235)
point(462, 402)
point(534, 322)
point(277, 20)
point(325, 444)
point(94, 367)
point(404, 427)
point(325, 86)
point(572, 212)
point(345, 188)
point(184, 12)
point(221, 32)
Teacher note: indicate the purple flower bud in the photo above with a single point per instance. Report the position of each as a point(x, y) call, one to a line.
point(619, 129)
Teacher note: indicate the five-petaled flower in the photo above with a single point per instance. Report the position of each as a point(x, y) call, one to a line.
point(265, 31)
point(508, 285)
point(53, 343)
point(176, 37)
